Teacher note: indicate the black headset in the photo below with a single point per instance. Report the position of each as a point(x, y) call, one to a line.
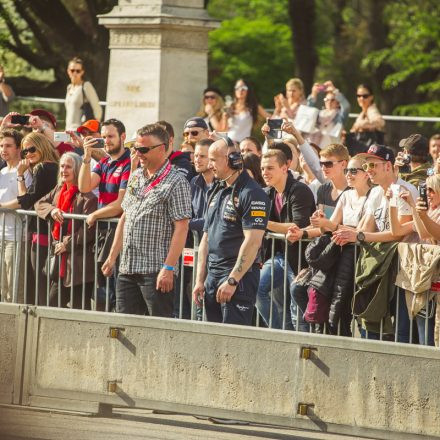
point(235, 160)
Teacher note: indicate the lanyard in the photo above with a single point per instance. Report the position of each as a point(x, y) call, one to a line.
point(156, 181)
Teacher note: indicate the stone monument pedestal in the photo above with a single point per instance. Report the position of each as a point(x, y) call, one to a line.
point(158, 61)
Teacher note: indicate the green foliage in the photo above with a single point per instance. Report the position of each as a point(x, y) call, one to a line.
point(413, 53)
point(255, 44)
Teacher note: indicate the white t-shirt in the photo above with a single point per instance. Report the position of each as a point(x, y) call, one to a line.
point(240, 126)
point(353, 207)
point(377, 205)
point(8, 192)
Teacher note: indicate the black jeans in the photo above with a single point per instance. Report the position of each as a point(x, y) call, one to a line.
point(241, 307)
point(136, 294)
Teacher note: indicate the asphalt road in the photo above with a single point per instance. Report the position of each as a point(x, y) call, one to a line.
point(17, 423)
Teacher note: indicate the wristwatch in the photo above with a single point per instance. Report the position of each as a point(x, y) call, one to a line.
point(360, 237)
point(20, 178)
point(232, 281)
point(305, 234)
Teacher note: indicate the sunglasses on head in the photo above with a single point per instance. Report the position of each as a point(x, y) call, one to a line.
point(329, 99)
point(241, 88)
point(75, 70)
point(365, 95)
point(29, 150)
point(210, 97)
point(145, 150)
point(352, 171)
point(192, 133)
point(328, 163)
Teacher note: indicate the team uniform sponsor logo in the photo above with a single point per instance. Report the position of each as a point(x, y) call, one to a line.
point(258, 213)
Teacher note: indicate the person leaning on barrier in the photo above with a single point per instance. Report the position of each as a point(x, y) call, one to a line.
point(110, 176)
point(291, 204)
point(228, 269)
point(68, 233)
point(413, 163)
point(152, 230)
point(41, 160)
point(12, 237)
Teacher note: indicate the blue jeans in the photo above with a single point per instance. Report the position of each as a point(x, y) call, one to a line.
point(137, 294)
point(264, 298)
point(403, 325)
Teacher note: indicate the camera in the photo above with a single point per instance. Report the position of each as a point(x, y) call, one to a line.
point(19, 119)
point(99, 143)
point(406, 159)
point(275, 128)
point(423, 193)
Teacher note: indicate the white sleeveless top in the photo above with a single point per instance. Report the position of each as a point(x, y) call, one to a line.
point(240, 126)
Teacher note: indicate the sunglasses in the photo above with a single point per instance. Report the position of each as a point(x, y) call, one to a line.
point(352, 171)
point(75, 70)
point(210, 97)
point(241, 88)
point(329, 163)
point(192, 133)
point(145, 150)
point(29, 150)
point(365, 95)
point(329, 99)
point(370, 165)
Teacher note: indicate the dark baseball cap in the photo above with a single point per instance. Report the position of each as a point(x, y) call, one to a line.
point(46, 115)
point(415, 144)
point(196, 122)
point(379, 152)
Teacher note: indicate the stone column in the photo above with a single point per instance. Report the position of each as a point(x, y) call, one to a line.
point(158, 61)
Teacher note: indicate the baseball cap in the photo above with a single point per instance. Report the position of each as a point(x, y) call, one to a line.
point(91, 125)
point(415, 144)
point(213, 89)
point(196, 122)
point(379, 152)
point(45, 114)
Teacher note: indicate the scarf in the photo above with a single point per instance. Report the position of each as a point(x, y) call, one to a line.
point(65, 204)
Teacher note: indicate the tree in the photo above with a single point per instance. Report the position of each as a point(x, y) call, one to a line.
point(47, 33)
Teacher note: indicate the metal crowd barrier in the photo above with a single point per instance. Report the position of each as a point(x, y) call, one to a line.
point(20, 279)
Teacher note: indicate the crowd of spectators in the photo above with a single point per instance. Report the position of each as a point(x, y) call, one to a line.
point(346, 205)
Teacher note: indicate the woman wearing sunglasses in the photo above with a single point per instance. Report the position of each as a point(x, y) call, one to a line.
point(212, 110)
point(66, 198)
point(244, 111)
point(80, 92)
point(369, 126)
point(349, 210)
point(41, 160)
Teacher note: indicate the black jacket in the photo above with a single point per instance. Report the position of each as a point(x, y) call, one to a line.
point(298, 206)
point(181, 160)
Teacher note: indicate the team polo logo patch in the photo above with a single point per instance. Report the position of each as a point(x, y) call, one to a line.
point(258, 214)
point(117, 171)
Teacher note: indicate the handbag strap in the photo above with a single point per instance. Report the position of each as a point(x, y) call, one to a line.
point(84, 94)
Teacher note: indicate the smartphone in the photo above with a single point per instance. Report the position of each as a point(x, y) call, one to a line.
point(395, 189)
point(423, 193)
point(61, 136)
point(99, 143)
point(19, 119)
point(275, 128)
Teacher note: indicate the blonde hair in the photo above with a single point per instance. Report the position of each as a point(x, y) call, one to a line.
point(295, 82)
point(218, 107)
point(338, 150)
point(434, 183)
point(44, 146)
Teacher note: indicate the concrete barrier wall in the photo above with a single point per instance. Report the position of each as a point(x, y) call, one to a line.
point(380, 389)
point(12, 336)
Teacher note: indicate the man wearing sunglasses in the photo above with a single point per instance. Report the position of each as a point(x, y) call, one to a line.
point(195, 129)
point(151, 232)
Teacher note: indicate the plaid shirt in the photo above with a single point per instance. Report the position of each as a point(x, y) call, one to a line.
point(149, 219)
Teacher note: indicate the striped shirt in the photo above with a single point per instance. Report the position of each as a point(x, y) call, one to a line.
point(150, 217)
point(114, 176)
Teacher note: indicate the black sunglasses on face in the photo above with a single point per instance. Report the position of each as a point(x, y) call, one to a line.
point(75, 70)
point(365, 95)
point(29, 150)
point(145, 150)
point(352, 171)
point(328, 163)
point(192, 133)
point(210, 97)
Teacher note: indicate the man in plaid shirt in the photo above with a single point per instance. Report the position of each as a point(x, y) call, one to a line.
point(151, 232)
